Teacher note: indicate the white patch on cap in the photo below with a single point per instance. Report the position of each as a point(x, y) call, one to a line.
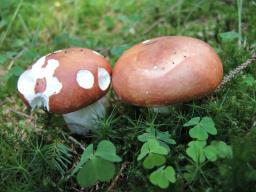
point(146, 42)
point(103, 79)
point(97, 53)
point(85, 79)
point(27, 82)
point(58, 51)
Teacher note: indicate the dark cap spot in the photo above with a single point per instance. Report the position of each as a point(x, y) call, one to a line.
point(40, 85)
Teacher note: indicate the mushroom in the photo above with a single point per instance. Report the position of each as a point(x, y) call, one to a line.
point(166, 70)
point(71, 82)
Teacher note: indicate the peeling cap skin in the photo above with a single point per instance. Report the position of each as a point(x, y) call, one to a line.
point(166, 70)
point(66, 80)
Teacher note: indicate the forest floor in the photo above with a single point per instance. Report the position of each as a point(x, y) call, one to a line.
point(37, 151)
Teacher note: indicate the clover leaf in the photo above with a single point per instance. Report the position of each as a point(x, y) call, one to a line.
point(84, 158)
point(193, 121)
point(151, 146)
point(162, 137)
point(201, 127)
point(98, 166)
point(163, 176)
point(155, 147)
point(208, 125)
point(195, 151)
point(198, 132)
point(107, 150)
point(154, 152)
point(221, 149)
point(165, 137)
point(198, 151)
point(153, 160)
point(143, 151)
point(217, 149)
point(96, 169)
point(145, 136)
point(210, 153)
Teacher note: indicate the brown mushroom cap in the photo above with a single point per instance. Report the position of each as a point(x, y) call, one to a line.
point(166, 70)
point(69, 92)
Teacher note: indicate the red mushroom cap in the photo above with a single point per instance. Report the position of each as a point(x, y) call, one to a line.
point(166, 70)
point(66, 80)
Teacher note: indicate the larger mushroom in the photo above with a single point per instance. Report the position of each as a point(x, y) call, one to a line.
point(166, 70)
point(71, 82)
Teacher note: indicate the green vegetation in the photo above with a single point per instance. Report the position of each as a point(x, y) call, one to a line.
point(202, 145)
point(97, 167)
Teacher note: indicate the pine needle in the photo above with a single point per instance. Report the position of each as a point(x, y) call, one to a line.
point(235, 72)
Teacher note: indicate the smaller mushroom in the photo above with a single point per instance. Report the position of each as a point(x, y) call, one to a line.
point(72, 82)
point(166, 70)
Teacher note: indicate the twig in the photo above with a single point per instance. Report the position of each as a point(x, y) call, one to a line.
point(155, 24)
point(16, 57)
point(76, 142)
point(233, 73)
point(115, 180)
point(21, 114)
point(78, 190)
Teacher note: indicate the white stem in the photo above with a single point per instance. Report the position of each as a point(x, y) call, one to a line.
point(85, 119)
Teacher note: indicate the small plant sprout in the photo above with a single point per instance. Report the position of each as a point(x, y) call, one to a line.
point(162, 137)
point(97, 166)
point(199, 151)
point(69, 82)
point(58, 156)
point(154, 154)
